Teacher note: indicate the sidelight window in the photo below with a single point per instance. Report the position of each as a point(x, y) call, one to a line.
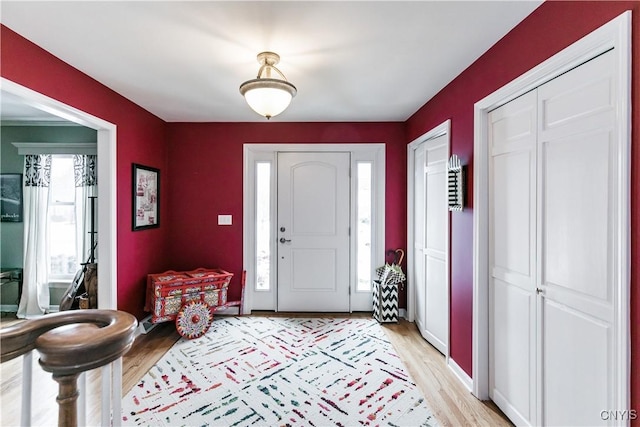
point(363, 225)
point(263, 226)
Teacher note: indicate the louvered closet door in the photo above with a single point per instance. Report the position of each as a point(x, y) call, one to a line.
point(553, 184)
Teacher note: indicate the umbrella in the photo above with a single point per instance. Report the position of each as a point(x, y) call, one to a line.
point(392, 274)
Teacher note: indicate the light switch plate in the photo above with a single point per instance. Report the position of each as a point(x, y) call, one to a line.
point(225, 219)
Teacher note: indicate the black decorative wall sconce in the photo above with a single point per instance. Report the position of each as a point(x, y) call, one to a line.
point(455, 184)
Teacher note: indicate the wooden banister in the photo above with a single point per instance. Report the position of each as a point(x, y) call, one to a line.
point(69, 343)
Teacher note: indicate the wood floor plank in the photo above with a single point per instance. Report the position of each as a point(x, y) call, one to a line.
point(450, 401)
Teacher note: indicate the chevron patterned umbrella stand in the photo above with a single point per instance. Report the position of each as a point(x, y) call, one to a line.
point(385, 289)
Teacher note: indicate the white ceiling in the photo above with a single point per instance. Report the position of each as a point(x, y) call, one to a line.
point(351, 61)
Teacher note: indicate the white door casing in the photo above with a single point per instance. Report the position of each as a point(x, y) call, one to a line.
point(552, 169)
point(614, 36)
point(431, 241)
point(313, 232)
point(106, 146)
point(373, 154)
point(107, 244)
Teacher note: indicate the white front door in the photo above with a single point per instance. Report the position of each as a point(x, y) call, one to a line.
point(431, 241)
point(554, 179)
point(313, 231)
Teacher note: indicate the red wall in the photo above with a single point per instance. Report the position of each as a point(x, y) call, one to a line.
point(204, 161)
point(206, 168)
point(140, 138)
point(549, 29)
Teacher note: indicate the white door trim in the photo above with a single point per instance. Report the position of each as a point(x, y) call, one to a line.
point(253, 153)
point(107, 213)
point(107, 229)
point(440, 130)
point(616, 35)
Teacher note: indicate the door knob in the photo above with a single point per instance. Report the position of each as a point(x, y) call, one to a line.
point(283, 240)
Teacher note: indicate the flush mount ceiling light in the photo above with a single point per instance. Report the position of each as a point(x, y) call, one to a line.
point(268, 95)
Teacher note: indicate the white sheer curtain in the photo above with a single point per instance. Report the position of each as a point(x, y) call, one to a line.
point(86, 183)
point(35, 291)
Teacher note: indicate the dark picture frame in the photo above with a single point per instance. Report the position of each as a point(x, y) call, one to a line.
point(11, 197)
point(146, 197)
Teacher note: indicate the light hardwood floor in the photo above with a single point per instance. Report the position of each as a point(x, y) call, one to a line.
point(450, 402)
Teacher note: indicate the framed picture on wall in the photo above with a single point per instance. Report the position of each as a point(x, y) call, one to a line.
point(146, 197)
point(11, 197)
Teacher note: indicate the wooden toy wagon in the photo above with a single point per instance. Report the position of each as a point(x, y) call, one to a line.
point(190, 298)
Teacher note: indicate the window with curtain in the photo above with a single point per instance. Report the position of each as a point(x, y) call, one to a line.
point(73, 182)
point(58, 191)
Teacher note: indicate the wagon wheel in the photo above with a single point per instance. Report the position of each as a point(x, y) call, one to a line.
point(193, 319)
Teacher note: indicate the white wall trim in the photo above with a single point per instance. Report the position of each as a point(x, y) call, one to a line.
point(268, 152)
point(25, 148)
point(616, 35)
point(107, 213)
point(107, 223)
point(41, 123)
point(464, 378)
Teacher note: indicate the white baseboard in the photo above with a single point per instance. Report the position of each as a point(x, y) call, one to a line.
point(464, 378)
point(9, 308)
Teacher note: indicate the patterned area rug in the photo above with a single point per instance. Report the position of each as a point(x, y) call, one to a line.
point(258, 371)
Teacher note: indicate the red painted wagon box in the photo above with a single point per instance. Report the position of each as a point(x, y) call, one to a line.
point(167, 292)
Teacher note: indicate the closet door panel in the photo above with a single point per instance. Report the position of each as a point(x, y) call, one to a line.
point(576, 214)
point(513, 360)
point(513, 236)
point(578, 189)
point(512, 258)
point(577, 362)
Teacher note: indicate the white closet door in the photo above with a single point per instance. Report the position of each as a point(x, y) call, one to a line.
point(512, 255)
point(553, 220)
point(578, 179)
point(418, 239)
point(431, 242)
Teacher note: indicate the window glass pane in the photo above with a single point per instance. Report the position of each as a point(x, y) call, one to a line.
point(263, 225)
point(363, 226)
point(62, 240)
point(62, 228)
point(62, 180)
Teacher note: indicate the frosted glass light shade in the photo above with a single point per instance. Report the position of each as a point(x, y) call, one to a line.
point(268, 97)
